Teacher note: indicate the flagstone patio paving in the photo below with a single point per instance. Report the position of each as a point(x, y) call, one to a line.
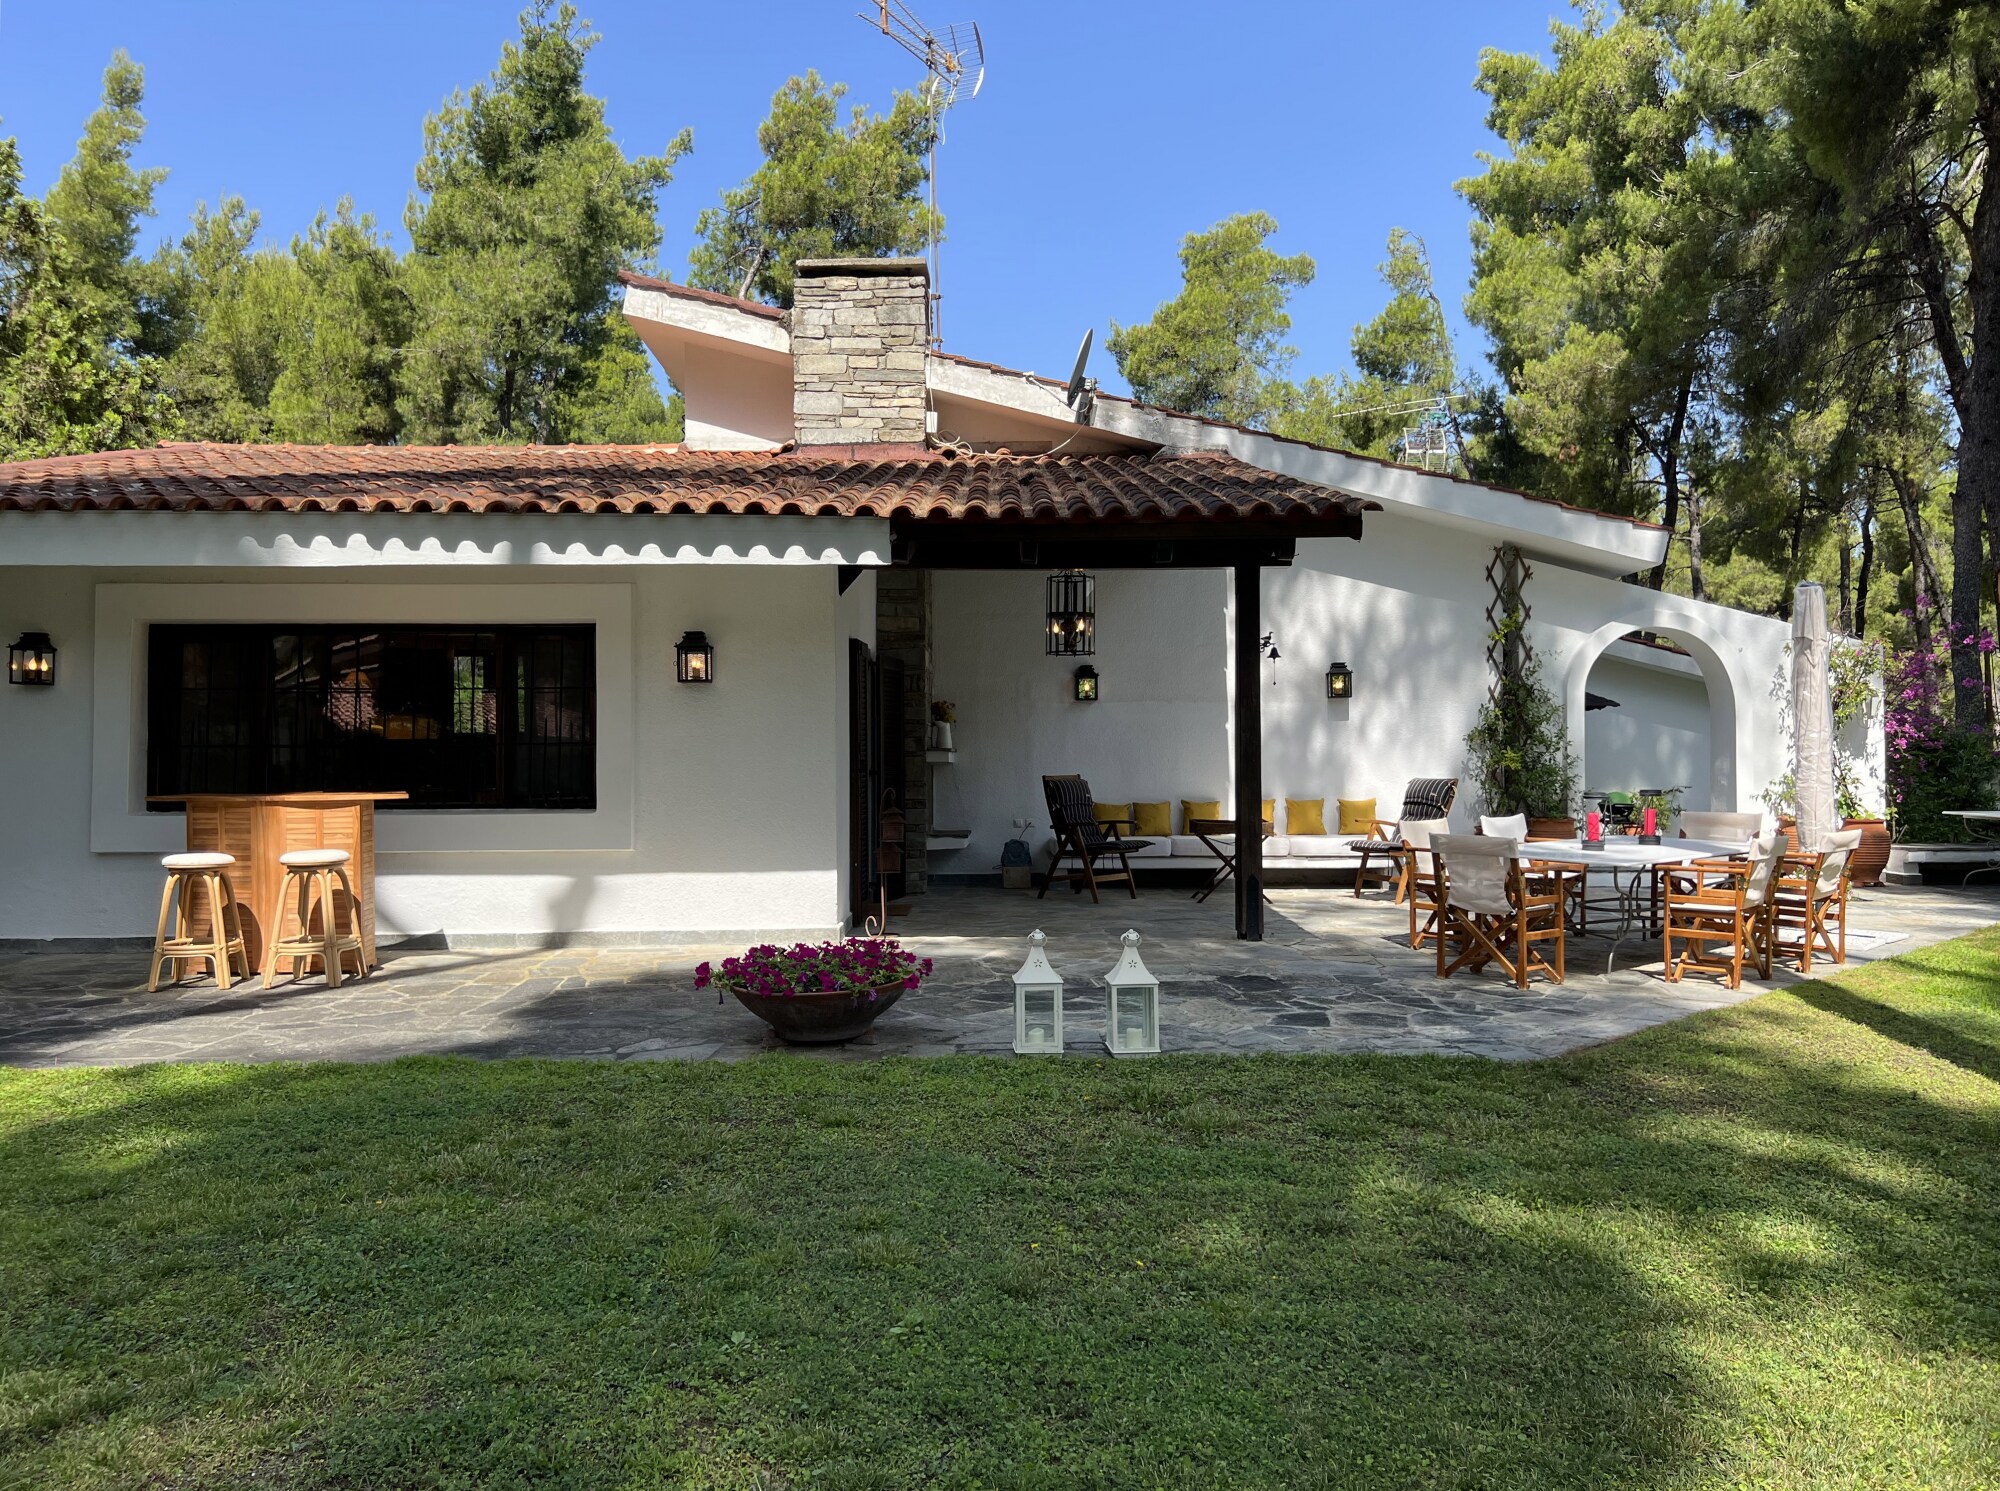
point(1333, 975)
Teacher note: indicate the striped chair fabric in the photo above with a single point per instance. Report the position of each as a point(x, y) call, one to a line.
point(1425, 797)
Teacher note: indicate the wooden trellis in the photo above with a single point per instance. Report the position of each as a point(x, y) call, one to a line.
point(1508, 651)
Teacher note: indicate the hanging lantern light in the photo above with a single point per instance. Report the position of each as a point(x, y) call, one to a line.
point(32, 660)
point(1086, 685)
point(1340, 682)
point(694, 658)
point(1072, 614)
point(1038, 1013)
point(1131, 1005)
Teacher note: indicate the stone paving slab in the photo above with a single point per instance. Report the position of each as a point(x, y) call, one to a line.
point(1335, 974)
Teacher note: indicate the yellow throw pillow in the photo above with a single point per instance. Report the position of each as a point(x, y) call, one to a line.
point(1108, 811)
point(1191, 810)
point(1357, 815)
point(1305, 815)
point(1270, 814)
point(1155, 819)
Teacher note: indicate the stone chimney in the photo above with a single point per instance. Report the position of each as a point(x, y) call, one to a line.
point(860, 331)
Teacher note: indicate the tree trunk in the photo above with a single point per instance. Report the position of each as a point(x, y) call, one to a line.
point(1927, 591)
point(1696, 586)
point(1669, 456)
point(1845, 618)
point(1975, 390)
point(1867, 563)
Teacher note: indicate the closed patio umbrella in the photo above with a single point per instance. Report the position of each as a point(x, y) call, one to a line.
point(1812, 720)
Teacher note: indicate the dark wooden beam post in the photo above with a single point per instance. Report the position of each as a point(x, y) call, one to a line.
point(1249, 729)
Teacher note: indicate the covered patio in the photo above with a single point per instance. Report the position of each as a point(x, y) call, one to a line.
point(1332, 975)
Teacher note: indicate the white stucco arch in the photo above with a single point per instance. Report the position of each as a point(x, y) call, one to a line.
point(1732, 690)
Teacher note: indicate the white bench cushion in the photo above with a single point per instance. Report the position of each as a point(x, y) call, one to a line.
point(1321, 846)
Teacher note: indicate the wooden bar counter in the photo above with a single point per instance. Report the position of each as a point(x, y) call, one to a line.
point(258, 827)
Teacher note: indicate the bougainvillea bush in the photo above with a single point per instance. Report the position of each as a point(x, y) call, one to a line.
point(1932, 767)
point(854, 966)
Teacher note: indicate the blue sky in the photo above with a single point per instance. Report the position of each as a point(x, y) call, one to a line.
point(1104, 132)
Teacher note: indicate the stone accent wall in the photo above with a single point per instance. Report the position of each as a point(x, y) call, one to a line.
point(903, 635)
point(860, 331)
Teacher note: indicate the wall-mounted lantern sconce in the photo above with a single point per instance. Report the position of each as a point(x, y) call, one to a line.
point(1086, 685)
point(32, 659)
point(1072, 616)
point(1340, 682)
point(694, 659)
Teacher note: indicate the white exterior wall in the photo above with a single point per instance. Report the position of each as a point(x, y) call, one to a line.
point(1405, 608)
point(721, 810)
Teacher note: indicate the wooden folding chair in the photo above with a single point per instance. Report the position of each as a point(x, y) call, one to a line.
point(1721, 903)
point(1083, 836)
point(1495, 909)
point(1812, 901)
point(1421, 876)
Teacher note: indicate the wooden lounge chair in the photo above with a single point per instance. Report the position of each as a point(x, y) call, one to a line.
point(1812, 901)
point(1494, 909)
point(1083, 836)
point(1720, 912)
point(1425, 797)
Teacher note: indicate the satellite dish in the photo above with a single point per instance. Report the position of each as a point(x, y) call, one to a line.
point(1078, 384)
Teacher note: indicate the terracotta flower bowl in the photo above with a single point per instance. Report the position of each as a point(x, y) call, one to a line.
point(821, 1019)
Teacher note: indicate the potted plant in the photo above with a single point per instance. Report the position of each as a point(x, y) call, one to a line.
point(944, 714)
point(1519, 758)
point(818, 993)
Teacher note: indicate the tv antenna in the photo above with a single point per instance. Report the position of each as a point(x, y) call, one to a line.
point(954, 66)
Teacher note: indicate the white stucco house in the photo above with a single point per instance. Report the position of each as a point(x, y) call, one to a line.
point(856, 526)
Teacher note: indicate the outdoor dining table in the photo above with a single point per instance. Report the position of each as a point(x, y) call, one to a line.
point(1984, 825)
point(1633, 869)
point(257, 827)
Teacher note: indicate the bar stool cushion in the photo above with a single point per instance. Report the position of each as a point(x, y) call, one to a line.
point(200, 860)
point(313, 859)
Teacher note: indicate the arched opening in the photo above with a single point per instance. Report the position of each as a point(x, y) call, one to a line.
point(1685, 701)
point(1648, 721)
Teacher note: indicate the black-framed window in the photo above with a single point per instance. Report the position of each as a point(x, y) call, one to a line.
point(458, 717)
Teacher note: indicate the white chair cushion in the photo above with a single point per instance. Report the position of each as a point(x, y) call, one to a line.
point(313, 859)
point(198, 860)
point(1321, 846)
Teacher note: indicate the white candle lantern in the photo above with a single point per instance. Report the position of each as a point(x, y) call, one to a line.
point(1131, 1005)
point(1037, 1003)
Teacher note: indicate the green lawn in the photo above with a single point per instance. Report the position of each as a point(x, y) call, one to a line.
point(1757, 1248)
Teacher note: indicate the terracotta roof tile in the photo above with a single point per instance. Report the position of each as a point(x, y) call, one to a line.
point(847, 481)
point(688, 292)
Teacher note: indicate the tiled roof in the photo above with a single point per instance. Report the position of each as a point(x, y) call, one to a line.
point(844, 481)
point(688, 292)
point(758, 308)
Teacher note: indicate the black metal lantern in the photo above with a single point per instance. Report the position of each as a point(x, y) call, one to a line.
point(32, 660)
point(1086, 685)
point(694, 659)
point(1340, 682)
point(1072, 614)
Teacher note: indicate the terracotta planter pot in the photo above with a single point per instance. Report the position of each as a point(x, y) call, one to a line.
point(1866, 864)
point(1551, 828)
point(821, 1019)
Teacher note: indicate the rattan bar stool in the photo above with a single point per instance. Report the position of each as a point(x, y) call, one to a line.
point(221, 946)
point(309, 878)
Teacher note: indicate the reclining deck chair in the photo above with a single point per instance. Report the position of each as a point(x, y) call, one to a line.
point(1425, 797)
point(1083, 836)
